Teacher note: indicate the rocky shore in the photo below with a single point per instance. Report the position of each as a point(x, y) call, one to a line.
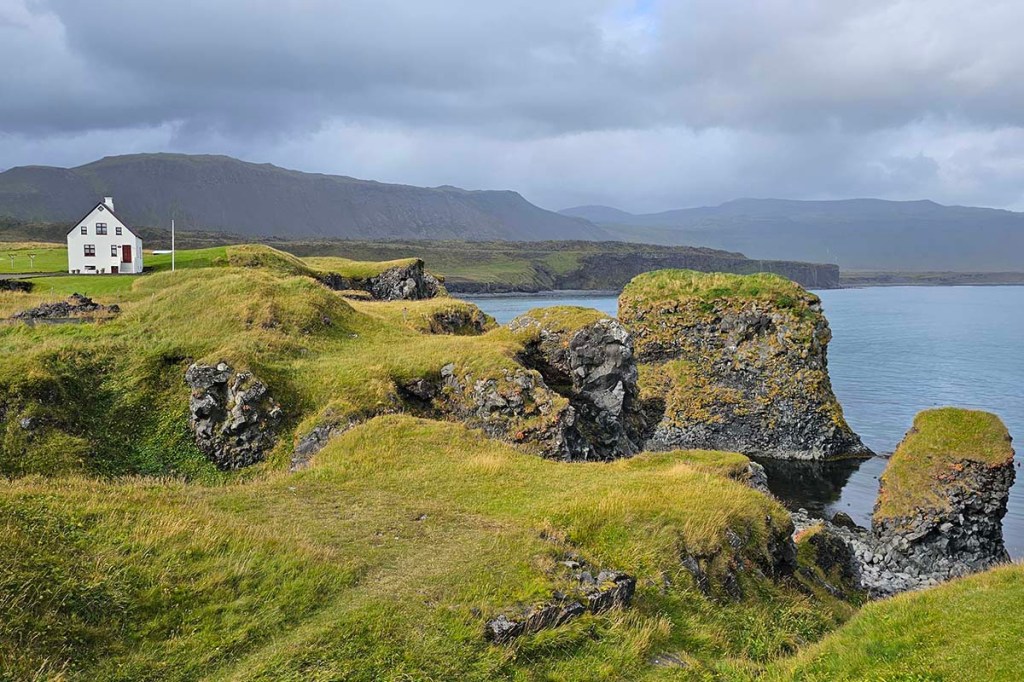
point(940, 507)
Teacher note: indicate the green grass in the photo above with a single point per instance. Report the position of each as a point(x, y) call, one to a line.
point(48, 258)
point(565, 318)
point(382, 563)
point(964, 631)
point(87, 285)
point(940, 441)
point(187, 258)
point(706, 286)
point(356, 269)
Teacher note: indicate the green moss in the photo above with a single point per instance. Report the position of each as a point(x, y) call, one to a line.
point(940, 442)
point(680, 285)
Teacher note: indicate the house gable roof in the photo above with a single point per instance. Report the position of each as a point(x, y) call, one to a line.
point(108, 210)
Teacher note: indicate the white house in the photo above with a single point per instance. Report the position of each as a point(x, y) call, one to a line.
point(100, 243)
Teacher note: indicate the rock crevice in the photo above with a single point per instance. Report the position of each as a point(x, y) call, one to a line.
point(594, 369)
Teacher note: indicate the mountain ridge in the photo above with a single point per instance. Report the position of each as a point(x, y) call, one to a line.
point(860, 233)
point(220, 193)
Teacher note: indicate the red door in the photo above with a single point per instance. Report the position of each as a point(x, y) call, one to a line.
point(126, 253)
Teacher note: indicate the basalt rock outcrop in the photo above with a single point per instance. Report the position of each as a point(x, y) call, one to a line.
point(513, 405)
point(829, 554)
point(588, 591)
point(940, 506)
point(588, 359)
point(233, 418)
point(459, 321)
point(718, 573)
point(400, 283)
point(76, 305)
point(943, 497)
point(734, 362)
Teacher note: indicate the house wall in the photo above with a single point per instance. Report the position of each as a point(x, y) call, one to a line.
point(103, 262)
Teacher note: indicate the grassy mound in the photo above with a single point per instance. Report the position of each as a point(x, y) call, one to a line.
point(108, 398)
point(268, 258)
point(940, 441)
point(564, 318)
point(383, 562)
point(442, 315)
point(356, 269)
point(679, 285)
point(966, 630)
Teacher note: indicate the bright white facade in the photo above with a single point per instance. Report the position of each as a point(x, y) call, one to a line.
point(101, 244)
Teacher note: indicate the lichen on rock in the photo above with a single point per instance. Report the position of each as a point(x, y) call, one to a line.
point(735, 362)
point(232, 416)
point(513, 405)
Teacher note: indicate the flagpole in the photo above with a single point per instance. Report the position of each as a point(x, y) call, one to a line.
point(172, 244)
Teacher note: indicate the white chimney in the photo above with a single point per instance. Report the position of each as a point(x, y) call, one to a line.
point(109, 201)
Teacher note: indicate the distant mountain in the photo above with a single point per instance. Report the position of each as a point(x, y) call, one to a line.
point(868, 234)
point(219, 193)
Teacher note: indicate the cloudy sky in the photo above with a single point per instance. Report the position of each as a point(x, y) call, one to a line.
point(641, 104)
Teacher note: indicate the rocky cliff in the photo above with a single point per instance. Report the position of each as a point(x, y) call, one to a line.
point(615, 270)
point(401, 282)
point(940, 506)
point(943, 497)
point(588, 358)
point(733, 362)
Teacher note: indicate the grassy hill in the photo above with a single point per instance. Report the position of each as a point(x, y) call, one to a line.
point(962, 631)
point(219, 193)
point(126, 555)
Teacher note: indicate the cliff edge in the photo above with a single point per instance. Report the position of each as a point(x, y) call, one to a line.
point(735, 362)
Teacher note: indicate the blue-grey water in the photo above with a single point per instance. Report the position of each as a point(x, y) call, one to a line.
point(895, 351)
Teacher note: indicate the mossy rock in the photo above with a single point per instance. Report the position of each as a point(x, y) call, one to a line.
point(735, 362)
point(934, 454)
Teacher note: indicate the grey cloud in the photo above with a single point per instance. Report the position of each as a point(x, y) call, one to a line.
point(650, 104)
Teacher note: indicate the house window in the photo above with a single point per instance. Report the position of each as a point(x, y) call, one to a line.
point(85, 229)
point(113, 249)
point(90, 249)
point(90, 267)
point(101, 228)
point(117, 230)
